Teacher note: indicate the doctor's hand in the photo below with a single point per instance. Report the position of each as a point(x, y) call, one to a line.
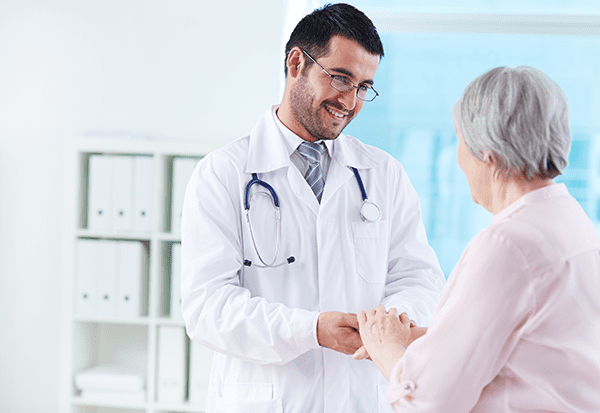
point(385, 336)
point(338, 331)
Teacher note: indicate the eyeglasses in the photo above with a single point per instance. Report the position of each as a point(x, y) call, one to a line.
point(343, 84)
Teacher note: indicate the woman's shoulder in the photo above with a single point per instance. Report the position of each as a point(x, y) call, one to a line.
point(500, 241)
point(554, 230)
point(539, 245)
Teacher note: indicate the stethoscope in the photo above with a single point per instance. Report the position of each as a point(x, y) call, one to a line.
point(369, 212)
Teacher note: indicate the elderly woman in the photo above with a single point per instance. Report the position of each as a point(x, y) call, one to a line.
point(518, 326)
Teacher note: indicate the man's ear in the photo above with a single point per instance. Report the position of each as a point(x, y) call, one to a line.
point(294, 62)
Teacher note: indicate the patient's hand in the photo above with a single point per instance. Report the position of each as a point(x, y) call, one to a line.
point(384, 336)
point(415, 333)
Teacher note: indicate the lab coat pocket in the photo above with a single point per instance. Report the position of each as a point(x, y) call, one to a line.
point(371, 250)
point(248, 398)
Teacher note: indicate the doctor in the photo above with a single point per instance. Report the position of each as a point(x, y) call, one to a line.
point(275, 267)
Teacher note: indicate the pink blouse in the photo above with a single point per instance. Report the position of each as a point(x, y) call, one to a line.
point(517, 328)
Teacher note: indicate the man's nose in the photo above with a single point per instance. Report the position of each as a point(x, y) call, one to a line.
point(348, 99)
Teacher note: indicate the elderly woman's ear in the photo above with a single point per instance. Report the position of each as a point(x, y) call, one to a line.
point(488, 157)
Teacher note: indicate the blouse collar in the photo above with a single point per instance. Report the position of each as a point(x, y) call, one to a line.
point(533, 197)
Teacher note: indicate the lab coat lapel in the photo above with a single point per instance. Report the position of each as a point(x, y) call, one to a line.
point(302, 190)
point(347, 153)
point(337, 177)
point(267, 152)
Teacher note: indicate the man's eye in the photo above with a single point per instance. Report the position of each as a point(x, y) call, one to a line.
point(343, 80)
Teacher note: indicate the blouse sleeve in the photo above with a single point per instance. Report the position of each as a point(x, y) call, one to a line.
point(475, 328)
point(398, 390)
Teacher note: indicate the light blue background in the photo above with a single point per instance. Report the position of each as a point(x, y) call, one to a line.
point(420, 78)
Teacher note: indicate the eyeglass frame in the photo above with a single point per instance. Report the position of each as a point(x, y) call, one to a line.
point(344, 80)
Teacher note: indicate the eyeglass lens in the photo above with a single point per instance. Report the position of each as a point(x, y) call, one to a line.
point(342, 84)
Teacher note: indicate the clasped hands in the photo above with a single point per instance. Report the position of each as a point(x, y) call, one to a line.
point(376, 334)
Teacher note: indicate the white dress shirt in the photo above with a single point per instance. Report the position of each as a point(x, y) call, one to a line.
point(518, 326)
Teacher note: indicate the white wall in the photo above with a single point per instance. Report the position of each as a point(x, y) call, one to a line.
point(181, 70)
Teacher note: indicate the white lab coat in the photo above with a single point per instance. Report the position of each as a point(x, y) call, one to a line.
point(262, 321)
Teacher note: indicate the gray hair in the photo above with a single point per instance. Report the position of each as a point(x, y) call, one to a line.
point(521, 117)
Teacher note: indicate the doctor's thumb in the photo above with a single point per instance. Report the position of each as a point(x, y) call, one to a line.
point(405, 320)
point(360, 354)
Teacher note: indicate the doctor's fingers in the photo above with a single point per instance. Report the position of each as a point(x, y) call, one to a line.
point(351, 320)
point(349, 342)
point(405, 320)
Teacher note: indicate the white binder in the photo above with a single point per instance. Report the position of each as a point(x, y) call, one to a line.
point(200, 364)
point(132, 285)
point(176, 282)
point(86, 300)
point(182, 171)
point(171, 378)
point(142, 193)
point(99, 193)
point(121, 207)
point(106, 277)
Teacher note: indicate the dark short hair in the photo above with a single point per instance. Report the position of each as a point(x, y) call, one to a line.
point(315, 30)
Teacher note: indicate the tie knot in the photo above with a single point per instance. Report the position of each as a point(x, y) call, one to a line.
point(311, 150)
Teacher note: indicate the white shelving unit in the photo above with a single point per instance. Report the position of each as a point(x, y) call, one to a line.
point(91, 340)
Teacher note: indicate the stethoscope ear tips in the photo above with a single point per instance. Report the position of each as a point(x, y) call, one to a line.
point(248, 263)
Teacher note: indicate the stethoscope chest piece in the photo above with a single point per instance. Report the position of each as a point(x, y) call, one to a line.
point(369, 212)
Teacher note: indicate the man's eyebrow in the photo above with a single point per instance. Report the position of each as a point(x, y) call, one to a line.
point(350, 75)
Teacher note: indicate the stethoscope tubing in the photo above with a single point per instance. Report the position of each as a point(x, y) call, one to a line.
point(369, 212)
point(275, 199)
point(363, 193)
point(253, 181)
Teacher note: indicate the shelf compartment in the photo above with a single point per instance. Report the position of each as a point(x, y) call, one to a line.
point(100, 344)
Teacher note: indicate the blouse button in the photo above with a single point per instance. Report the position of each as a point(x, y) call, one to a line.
point(400, 390)
point(408, 386)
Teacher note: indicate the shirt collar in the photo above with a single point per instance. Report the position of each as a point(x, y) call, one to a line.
point(292, 141)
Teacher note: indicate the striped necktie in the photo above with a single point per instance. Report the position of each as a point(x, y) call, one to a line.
point(314, 175)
